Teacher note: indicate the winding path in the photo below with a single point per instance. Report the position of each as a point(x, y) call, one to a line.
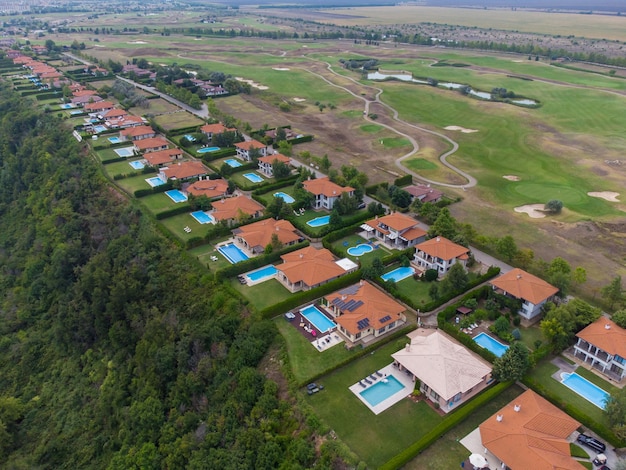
point(471, 181)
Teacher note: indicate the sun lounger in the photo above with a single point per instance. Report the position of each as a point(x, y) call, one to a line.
point(362, 384)
point(373, 377)
point(378, 373)
point(367, 381)
point(474, 325)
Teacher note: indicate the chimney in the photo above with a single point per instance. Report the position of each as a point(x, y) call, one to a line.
point(499, 418)
point(607, 326)
point(344, 297)
point(408, 347)
point(516, 408)
point(519, 276)
point(438, 239)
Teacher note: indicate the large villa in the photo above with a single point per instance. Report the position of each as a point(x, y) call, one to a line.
point(254, 237)
point(396, 230)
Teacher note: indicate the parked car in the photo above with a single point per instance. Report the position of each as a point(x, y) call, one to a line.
point(592, 442)
point(313, 388)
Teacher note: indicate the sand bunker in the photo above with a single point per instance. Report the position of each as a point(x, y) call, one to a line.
point(511, 177)
point(299, 100)
point(534, 211)
point(252, 83)
point(459, 128)
point(137, 42)
point(606, 195)
point(280, 69)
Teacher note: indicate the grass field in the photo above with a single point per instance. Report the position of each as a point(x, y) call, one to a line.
point(262, 295)
point(157, 106)
point(177, 120)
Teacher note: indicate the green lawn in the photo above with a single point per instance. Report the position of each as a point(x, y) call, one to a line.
point(374, 438)
point(371, 128)
point(417, 164)
point(109, 153)
point(269, 196)
point(414, 289)
point(132, 184)
point(244, 183)
point(262, 295)
point(395, 142)
point(160, 202)
point(447, 453)
point(177, 120)
point(366, 259)
point(122, 168)
point(177, 223)
point(530, 335)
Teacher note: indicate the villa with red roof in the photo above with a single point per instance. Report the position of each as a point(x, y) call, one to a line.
point(137, 133)
point(124, 122)
point(254, 237)
point(311, 267)
point(449, 373)
point(163, 157)
point(396, 230)
point(603, 345)
point(84, 92)
point(184, 171)
point(441, 254)
point(114, 113)
point(211, 130)
point(364, 312)
point(209, 188)
point(81, 100)
point(529, 433)
point(236, 209)
point(244, 148)
point(266, 164)
point(532, 291)
point(326, 192)
point(424, 193)
point(98, 106)
point(152, 144)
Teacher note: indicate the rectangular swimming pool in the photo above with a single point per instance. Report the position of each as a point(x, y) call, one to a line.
point(588, 390)
point(114, 140)
point(137, 164)
point(317, 319)
point(231, 162)
point(490, 344)
point(190, 138)
point(155, 181)
point(382, 390)
point(398, 274)
point(262, 274)
point(232, 253)
point(99, 128)
point(207, 149)
point(285, 197)
point(125, 152)
point(253, 177)
point(176, 195)
point(68, 106)
point(319, 221)
point(202, 217)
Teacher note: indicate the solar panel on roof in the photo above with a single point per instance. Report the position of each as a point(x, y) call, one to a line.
point(385, 318)
point(350, 290)
point(349, 304)
point(354, 306)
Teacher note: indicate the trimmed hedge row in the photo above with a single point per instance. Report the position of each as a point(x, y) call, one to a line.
point(451, 420)
point(257, 262)
point(303, 297)
point(492, 272)
point(157, 189)
point(350, 220)
point(276, 185)
point(183, 130)
point(299, 140)
point(366, 350)
point(574, 412)
point(339, 234)
point(244, 167)
point(228, 152)
point(405, 180)
point(179, 209)
point(113, 160)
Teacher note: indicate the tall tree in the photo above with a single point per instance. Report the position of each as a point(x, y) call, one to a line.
point(513, 364)
point(445, 225)
point(613, 293)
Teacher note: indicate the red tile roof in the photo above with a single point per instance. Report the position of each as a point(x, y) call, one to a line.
point(259, 234)
point(232, 208)
point(326, 187)
point(270, 159)
point(310, 265)
point(209, 188)
point(152, 142)
point(441, 247)
point(396, 221)
point(525, 286)
point(97, 106)
point(184, 170)
point(250, 144)
point(606, 335)
point(137, 131)
point(162, 156)
point(217, 128)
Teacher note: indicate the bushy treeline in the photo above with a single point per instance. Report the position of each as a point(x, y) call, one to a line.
point(115, 350)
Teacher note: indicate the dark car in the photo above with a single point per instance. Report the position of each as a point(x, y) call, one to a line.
point(313, 388)
point(592, 442)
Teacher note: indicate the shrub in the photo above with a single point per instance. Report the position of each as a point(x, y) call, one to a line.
point(430, 275)
point(516, 334)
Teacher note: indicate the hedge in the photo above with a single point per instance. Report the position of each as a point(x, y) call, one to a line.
point(113, 160)
point(405, 180)
point(350, 220)
point(157, 189)
point(277, 185)
point(574, 412)
point(179, 209)
point(257, 261)
point(243, 167)
point(227, 152)
point(451, 420)
point(299, 140)
point(339, 234)
point(303, 297)
point(183, 130)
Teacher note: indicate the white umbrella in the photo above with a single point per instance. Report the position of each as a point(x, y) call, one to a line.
point(478, 460)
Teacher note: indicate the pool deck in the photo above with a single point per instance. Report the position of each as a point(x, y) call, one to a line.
point(404, 379)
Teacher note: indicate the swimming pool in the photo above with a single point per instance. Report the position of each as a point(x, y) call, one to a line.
point(360, 249)
point(190, 138)
point(262, 274)
point(231, 162)
point(319, 221)
point(398, 274)
point(99, 128)
point(155, 181)
point(253, 177)
point(285, 197)
point(77, 111)
point(207, 149)
point(125, 152)
point(202, 217)
point(490, 344)
point(68, 106)
point(114, 140)
point(589, 391)
point(232, 253)
point(381, 390)
point(176, 195)
point(317, 319)
point(137, 164)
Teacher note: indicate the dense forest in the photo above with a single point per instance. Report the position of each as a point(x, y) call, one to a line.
point(116, 350)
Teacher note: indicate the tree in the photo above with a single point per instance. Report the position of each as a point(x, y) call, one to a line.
point(445, 225)
point(556, 334)
point(559, 274)
point(401, 198)
point(335, 218)
point(280, 169)
point(456, 279)
point(513, 364)
point(433, 291)
point(501, 325)
point(619, 318)
point(506, 247)
point(281, 135)
point(555, 206)
point(613, 293)
point(615, 411)
point(431, 275)
point(325, 163)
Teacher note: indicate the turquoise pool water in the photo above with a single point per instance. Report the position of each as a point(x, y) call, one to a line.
point(360, 250)
point(114, 140)
point(231, 162)
point(207, 149)
point(320, 321)
point(319, 221)
point(136, 164)
point(99, 128)
point(202, 217)
point(253, 177)
point(155, 181)
point(190, 138)
point(262, 274)
point(125, 152)
point(490, 344)
point(382, 390)
point(68, 106)
point(285, 197)
point(232, 253)
point(176, 195)
point(398, 274)
point(589, 391)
